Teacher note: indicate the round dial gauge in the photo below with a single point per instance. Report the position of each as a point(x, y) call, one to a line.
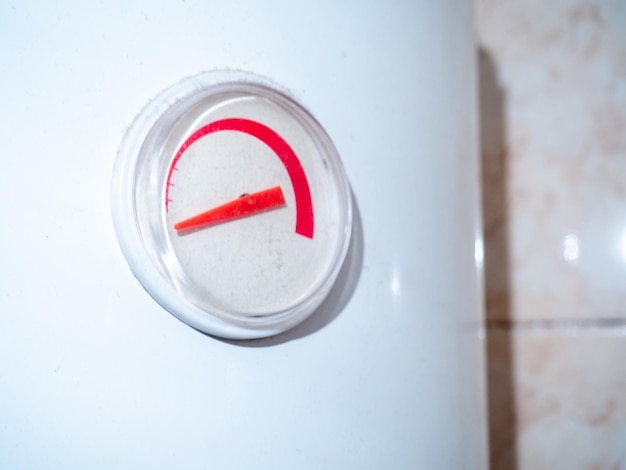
point(231, 205)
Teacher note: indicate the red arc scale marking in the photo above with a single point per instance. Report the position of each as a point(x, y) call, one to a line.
point(302, 193)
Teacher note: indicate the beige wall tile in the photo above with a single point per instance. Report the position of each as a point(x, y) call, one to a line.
point(557, 399)
point(553, 96)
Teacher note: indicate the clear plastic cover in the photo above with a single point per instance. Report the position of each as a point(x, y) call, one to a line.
point(203, 144)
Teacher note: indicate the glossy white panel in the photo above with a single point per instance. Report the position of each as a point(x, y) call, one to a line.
point(96, 375)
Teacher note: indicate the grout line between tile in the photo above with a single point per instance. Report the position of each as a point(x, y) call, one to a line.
point(615, 325)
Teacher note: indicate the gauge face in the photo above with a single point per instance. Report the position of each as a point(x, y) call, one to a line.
point(232, 206)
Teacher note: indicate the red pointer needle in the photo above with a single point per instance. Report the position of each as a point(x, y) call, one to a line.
point(248, 204)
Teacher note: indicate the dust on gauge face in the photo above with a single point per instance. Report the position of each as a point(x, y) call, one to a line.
point(250, 207)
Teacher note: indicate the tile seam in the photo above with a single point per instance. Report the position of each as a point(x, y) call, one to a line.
point(617, 325)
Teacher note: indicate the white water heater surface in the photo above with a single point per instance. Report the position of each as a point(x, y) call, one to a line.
point(387, 373)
